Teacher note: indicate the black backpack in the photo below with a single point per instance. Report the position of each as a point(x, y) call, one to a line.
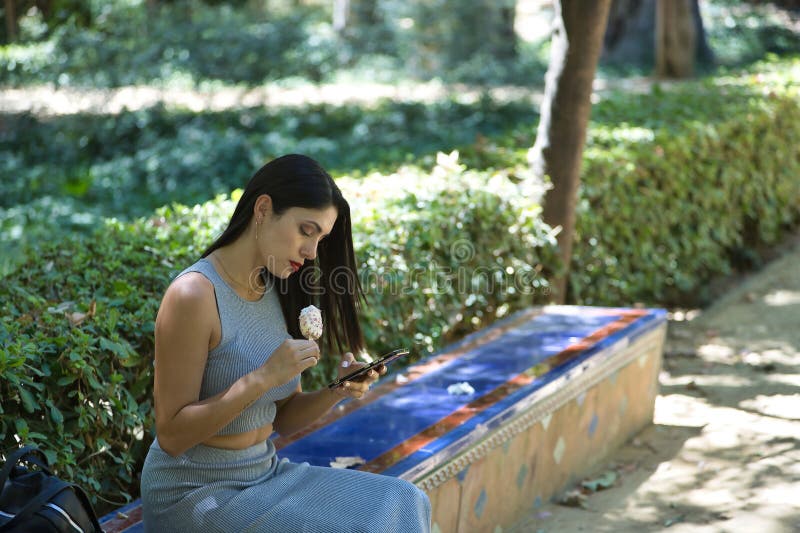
point(35, 501)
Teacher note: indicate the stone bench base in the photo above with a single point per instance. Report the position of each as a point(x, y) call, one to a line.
point(556, 390)
point(549, 445)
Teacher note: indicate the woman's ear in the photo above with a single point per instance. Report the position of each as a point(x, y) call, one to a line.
point(263, 207)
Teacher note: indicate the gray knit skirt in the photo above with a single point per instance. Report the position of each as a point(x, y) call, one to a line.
point(215, 490)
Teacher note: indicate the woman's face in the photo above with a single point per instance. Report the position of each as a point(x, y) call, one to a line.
point(288, 241)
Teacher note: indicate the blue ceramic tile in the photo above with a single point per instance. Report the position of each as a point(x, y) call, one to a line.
point(593, 425)
point(522, 475)
point(480, 505)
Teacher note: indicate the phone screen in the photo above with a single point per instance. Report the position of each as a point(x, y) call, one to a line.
point(383, 360)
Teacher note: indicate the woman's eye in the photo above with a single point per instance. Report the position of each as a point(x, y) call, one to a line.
point(306, 232)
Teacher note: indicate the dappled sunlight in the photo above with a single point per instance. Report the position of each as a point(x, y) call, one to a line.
point(720, 353)
point(779, 405)
point(702, 480)
point(52, 101)
point(781, 298)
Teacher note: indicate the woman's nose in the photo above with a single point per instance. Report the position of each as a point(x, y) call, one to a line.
point(309, 251)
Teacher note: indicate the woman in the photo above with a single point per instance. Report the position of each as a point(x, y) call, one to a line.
point(229, 354)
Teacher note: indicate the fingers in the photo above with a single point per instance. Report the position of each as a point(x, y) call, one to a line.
point(348, 359)
point(359, 387)
point(307, 354)
point(354, 389)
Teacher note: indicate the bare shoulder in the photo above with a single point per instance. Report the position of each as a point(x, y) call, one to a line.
point(190, 297)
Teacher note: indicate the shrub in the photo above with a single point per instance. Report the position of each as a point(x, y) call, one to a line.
point(136, 161)
point(671, 202)
point(186, 43)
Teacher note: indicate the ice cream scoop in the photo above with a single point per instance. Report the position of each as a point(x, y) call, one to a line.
point(311, 323)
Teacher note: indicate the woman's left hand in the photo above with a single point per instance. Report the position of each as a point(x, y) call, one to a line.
point(359, 387)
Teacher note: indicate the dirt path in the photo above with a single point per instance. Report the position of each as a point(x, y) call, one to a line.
point(47, 100)
point(724, 452)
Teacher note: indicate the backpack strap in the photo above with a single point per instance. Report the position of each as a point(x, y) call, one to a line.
point(55, 486)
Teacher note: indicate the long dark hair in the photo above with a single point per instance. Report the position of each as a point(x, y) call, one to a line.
point(298, 181)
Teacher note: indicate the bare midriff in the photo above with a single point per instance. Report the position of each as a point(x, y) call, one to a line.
point(237, 441)
point(240, 441)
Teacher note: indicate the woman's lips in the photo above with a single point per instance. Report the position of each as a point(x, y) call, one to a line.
point(295, 266)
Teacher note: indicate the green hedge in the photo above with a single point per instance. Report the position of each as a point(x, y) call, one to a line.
point(706, 177)
point(83, 389)
point(131, 163)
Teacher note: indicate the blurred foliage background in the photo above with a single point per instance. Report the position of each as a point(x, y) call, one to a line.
point(127, 126)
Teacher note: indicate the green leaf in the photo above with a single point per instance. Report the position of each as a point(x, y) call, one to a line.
point(66, 380)
point(28, 400)
point(22, 428)
point(56, 415)
point(604, 481)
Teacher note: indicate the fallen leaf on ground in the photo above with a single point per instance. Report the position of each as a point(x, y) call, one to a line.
point(76, 318)
point(628, 468)
point(640, 443)
point(671, 521)
point(573, 498)
point(692, 386)
point(604, 481)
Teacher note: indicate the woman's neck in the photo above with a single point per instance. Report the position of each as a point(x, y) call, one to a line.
point(239, 263)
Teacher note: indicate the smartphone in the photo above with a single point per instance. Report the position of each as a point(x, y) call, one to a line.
point(382, 360)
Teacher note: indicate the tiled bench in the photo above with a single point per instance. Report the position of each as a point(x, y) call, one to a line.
point(556, 390)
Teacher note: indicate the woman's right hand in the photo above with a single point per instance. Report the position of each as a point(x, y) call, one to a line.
point(290, 359)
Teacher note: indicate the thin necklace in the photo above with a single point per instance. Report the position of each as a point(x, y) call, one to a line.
point(249, 289)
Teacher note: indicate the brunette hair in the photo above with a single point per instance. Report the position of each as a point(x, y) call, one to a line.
point(298, 181)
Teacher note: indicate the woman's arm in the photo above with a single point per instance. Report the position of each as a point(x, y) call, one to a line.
point(303, 408)
point(184, 326)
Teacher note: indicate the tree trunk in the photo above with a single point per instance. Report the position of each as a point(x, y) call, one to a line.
point(507, 47)
point(46, 7)
point(629, 34)
point(341, 14)
point(676, 45)
point(704, 52)
point(631, 27)
point(11, 21)
point(575, 49)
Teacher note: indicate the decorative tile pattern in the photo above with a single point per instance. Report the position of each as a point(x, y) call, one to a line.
point(580, 399)
point(540, 475)
point(480, 505)
point(446, 505)
point(593, 425)
point(522, 475)
point(558, 453)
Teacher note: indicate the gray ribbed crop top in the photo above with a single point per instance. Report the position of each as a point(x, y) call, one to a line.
point(251, 331)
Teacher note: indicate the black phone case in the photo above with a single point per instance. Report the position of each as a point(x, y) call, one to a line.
point(385, 359)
